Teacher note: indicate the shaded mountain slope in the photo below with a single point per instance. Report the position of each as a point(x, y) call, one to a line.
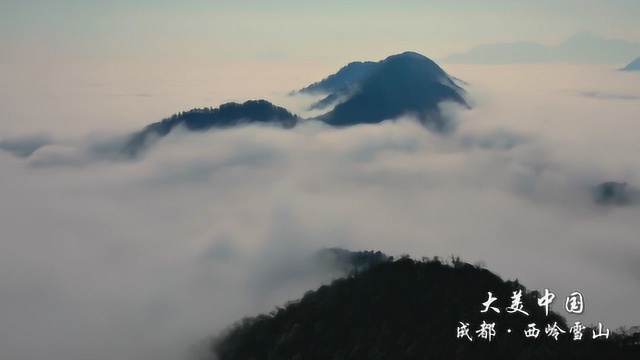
point(407, 83)
point(410, 310)
point(632, 66)
point(347, 77)
point(341, 84)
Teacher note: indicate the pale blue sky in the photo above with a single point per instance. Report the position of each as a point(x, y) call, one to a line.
point(332, 30)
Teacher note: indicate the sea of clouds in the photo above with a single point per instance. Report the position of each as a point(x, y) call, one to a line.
point(106, 258)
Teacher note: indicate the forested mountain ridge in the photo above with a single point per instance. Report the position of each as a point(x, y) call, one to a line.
point(407, 309)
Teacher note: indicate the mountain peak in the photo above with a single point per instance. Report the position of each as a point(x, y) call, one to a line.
point(409, 54)
point(403, 84)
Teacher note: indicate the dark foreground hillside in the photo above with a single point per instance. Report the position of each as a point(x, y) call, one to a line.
point(408, 309)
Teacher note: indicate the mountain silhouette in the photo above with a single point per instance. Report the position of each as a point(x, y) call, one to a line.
point(407, 309)
point(403, 84)
point(581, 48)
point(632, 66)
point(226, 116)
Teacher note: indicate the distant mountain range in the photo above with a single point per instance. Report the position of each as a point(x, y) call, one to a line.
point(632, 66)
point(370, 92)
point(580, 48)
point(405, 309)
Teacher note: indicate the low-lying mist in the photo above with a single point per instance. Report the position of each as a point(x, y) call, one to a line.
point(138, 259)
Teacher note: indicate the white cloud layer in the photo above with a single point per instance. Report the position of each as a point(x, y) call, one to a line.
point(138, 259)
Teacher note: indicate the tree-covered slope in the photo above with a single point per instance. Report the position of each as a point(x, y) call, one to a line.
point(226, 116)
point(408, 309)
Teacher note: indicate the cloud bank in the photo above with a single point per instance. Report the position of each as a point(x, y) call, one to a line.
point(139, 259)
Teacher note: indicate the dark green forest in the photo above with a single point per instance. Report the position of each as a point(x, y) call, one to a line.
point(412, 309)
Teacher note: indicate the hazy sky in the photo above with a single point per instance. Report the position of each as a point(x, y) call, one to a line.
point(136, 260)
point(293, 29)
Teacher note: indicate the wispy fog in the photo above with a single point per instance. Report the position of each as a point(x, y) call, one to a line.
point(107, 259)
